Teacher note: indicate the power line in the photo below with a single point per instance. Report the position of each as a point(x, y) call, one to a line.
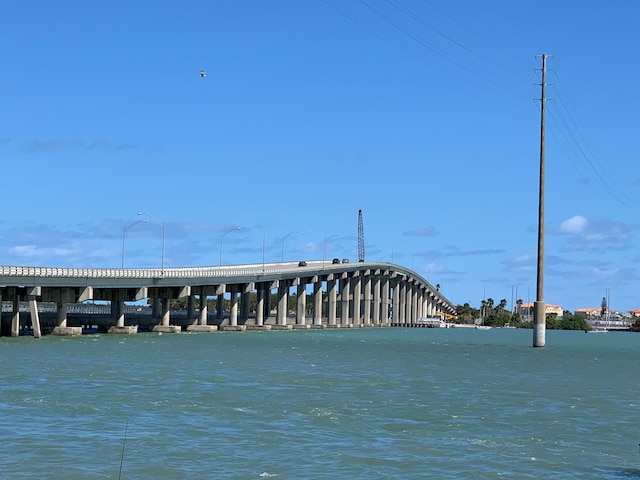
point(411, 14)
point(447, 56)
point(575, 136)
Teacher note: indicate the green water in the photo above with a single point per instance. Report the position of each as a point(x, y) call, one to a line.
point(359, 403)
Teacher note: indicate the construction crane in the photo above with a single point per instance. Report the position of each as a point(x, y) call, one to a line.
point(360, 237)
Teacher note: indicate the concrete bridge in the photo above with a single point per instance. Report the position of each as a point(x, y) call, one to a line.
point(327, 295)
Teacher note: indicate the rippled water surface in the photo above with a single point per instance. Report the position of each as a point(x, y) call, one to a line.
point(358, 403)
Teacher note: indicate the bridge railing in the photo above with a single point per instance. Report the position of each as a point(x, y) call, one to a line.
point(189, 272)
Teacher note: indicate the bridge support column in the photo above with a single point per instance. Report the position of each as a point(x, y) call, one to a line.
point(421, 297)
point(233, 310)
point(301, 304)
point(155, 307)
point(245, 303)
point(35, 317)
point(61, 322)
point(204, 308)
point(317, 302)
point(165, 326)
point(377, 300)
point(367, 299)
point(191, 307)
point(386, 288)
point(166, 311)
point(357, 299)
point(398, 302)
point(345, 290)
point(15, 316)
point(233, 306)
point(117, 315)
point(332, 302)
point(432, 307)
point(409, 302)
point(267, 303)
point(117, 308)
point(283, 306)
point(202, 323)
point(261, 289)
point(220, 307)
point(395, 304)
point(260, 306)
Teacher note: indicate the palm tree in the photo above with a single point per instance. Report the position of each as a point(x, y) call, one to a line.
point(503, 305)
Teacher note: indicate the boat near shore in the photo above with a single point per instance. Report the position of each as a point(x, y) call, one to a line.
point(471, 325)
point(597, 330)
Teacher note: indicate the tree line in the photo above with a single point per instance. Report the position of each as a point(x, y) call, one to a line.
point(497, 315)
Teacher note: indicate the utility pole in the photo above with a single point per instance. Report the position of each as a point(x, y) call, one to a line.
point(539, 318)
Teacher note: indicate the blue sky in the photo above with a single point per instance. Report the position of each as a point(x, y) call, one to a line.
point(422, 113)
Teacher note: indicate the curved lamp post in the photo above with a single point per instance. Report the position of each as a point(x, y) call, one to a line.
point(223, 235)
point(283, 238)
point(162, 225)
point(124, 231)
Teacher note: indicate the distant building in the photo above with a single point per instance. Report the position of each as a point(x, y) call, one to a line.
point(589, 313)
point(611, 319)
point(526, 311)
point(635, 313)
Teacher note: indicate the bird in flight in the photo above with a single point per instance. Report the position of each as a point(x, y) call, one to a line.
point(203, 74)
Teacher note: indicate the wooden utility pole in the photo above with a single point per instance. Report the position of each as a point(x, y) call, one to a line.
point(539, 318)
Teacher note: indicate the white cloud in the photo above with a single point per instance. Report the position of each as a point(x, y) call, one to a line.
point(33, 251)
point(428, 231)
point(574, 225)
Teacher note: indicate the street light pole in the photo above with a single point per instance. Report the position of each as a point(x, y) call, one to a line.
point(223, 235)
point(162, 225)
point(324, 254)
point(124, 231)
point(290, 233)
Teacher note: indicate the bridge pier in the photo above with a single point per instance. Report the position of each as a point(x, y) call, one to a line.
point(117, 313)
point(317, 302)
point(377, 304)
point(220, 306)
point(35, 318)
point(61, 321)
point(356, 289)
point(233, 306)
point(233, 310)
point(409, 303)
point(191, 306)
point(301, 304)
point(165, 326)
point(260, 294)
point(201, 325)
point(386, 299)
point(345, 287)
point(283, 302)
point(332, 301)
point(15, 317)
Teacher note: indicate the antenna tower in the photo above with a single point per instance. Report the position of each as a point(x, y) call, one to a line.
point(360, 237)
